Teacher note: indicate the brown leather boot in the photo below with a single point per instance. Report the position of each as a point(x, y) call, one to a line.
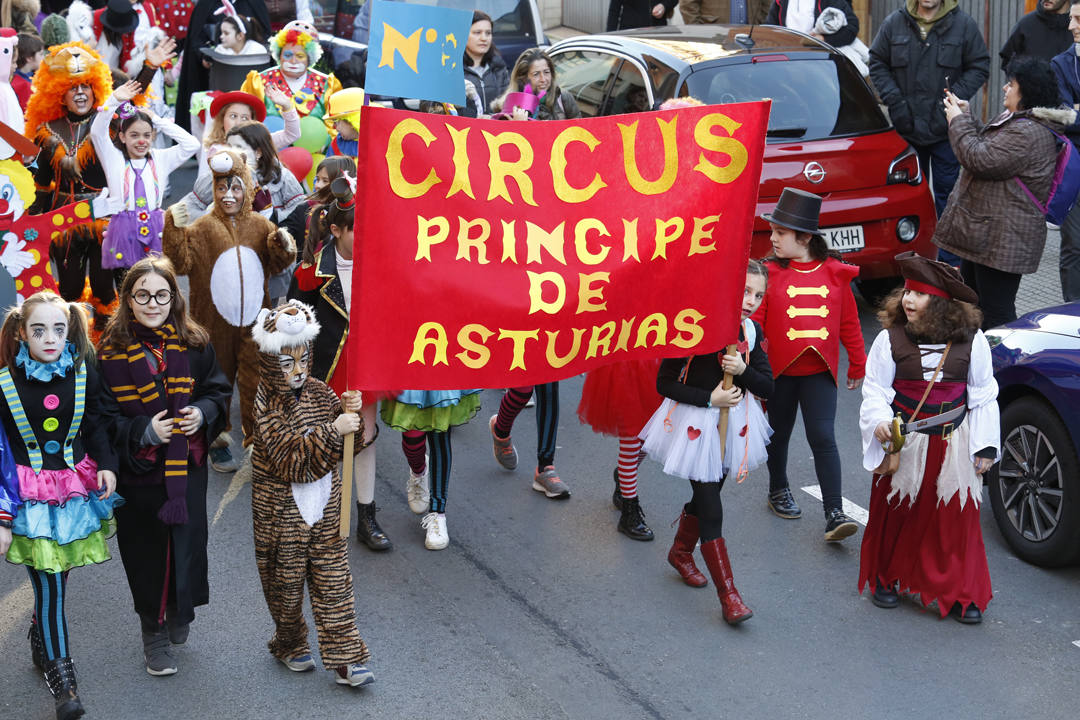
point(716, 559)
point(681, 554)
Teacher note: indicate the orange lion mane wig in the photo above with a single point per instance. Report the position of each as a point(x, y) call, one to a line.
point(50, 83)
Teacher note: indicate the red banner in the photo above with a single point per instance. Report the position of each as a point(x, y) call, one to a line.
point(495, 253)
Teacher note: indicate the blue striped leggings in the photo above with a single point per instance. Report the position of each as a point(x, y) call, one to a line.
point(547, 418)
point(49, 592)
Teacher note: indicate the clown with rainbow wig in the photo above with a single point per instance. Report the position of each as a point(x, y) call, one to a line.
point(296, 49)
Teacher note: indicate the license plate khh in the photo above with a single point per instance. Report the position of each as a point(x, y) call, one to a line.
point(844, 239)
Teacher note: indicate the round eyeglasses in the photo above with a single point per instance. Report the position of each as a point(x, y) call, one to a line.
point(161, 297)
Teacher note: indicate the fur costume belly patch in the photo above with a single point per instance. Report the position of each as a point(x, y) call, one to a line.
point(236, 285)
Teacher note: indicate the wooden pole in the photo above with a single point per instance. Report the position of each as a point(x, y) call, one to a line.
point(729, 380)
point(346, 485)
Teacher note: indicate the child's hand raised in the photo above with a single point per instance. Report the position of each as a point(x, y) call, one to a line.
point(347, 423)
point(127, 91)
point(722, 398)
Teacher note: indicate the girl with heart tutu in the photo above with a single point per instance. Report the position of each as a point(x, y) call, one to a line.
point(683, 434)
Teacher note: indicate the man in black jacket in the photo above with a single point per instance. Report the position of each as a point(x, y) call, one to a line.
point(920, 50)
point(625, 14)
point(1042, 33)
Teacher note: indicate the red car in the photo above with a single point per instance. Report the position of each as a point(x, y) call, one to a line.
point(827, 134)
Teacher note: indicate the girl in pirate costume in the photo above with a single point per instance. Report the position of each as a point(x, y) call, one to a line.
point(165, 395)
point(296, 498)
point(684, 435)
point(923, 536)
point(137, 173)
point(325, 282)
point(70, 83)
point(66, 469)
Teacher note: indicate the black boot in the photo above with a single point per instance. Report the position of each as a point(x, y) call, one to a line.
point(368, 531)
point(632, 522)
point(885, 596)
point(60, 676)
point(37, 645)
point(616, 495)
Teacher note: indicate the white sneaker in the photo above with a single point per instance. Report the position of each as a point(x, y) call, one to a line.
point(417, 491)
point(437, 536)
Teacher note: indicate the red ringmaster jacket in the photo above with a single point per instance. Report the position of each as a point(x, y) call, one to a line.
point(807, 312)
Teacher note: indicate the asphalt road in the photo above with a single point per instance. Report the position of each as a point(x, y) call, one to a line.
point(540, 609)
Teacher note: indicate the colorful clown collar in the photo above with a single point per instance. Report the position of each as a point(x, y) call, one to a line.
point(45, 371)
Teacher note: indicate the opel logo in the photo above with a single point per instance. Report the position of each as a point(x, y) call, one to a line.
point(814, 172)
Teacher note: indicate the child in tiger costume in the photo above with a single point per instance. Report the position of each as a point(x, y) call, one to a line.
point(296, 498)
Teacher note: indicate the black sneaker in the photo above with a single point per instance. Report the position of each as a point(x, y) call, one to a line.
point(838, 525)
point(783, 504)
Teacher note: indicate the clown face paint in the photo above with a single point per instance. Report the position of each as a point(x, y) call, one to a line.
point(295, 363)
point(294, 61)
point(46, 332)
point(251, 157)
point(79, 99)
point(229, 194)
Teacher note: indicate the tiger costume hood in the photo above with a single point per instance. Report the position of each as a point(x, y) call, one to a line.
point(276, 332)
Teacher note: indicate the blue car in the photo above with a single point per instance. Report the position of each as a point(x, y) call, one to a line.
point(1035, 489)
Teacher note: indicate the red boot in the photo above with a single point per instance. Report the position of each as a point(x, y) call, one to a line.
point(716, 559)
point(681, 554)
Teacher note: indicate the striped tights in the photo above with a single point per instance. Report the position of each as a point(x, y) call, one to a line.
point(414, 443)
point(547, 418)
point(50, 590)
point(630, 457)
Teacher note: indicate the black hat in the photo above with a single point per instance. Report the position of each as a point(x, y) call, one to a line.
point(120, 16)
point(798, 210)
point(934, 278)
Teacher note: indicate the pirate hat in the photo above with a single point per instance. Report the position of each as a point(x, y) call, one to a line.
point(934, 278)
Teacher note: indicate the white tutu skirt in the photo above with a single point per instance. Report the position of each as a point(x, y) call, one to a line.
point(685, 439)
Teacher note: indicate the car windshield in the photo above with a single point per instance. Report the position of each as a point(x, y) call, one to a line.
point(812, 99)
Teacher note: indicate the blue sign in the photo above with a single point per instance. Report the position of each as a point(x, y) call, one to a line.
point(416, 51)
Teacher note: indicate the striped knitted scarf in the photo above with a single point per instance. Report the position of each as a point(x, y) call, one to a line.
point(128, 374)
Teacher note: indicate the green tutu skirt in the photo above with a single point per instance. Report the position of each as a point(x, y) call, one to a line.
point(404, 416)
point(44, 553)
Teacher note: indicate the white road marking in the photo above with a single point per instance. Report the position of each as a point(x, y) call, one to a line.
point(15, 607)
point(1076, 643)
point(851, 509)
point(240, 478)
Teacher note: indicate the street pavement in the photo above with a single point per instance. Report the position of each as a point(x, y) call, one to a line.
point(540, 609)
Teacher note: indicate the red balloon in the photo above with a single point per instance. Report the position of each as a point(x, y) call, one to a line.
point(298, 160)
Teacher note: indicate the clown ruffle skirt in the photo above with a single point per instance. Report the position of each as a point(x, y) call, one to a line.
point(63, 522)
point(430, 410)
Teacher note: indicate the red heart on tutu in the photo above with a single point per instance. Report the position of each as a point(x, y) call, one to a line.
point(693, 433)
point(742, 433)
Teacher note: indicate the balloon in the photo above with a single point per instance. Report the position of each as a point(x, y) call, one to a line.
point(274, 123)
point(298, 160)
point(313, 135)
point(316, 158)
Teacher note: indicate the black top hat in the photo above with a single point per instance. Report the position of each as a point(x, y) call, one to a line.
point(120, 16)
point(929, 275)
point(798, 210)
